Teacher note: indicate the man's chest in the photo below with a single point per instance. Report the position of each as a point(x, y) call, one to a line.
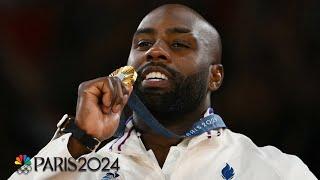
point(194, 164)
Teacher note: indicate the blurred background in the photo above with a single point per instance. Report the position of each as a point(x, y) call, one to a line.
point(270, 54)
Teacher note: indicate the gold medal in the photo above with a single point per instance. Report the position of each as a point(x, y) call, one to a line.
point(126, 74)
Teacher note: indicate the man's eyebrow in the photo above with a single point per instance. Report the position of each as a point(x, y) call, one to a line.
point(169, 31)
point(144, 31)
point(178, 30)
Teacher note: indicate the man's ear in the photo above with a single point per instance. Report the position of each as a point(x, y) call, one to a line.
point(216, 76)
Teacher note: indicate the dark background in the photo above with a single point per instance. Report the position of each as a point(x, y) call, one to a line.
point(270, 54)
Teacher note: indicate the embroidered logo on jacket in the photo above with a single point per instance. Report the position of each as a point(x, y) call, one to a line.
point(110, 176)
point(227, 172)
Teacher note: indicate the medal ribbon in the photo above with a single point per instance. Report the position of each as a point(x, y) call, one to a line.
point(210, 122)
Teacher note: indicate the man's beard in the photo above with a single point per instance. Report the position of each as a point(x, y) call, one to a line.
point(185, 96)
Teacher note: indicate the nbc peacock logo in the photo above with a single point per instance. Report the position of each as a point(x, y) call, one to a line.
point(24, 162)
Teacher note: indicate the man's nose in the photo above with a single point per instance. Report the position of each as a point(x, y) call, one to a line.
point(158, 52)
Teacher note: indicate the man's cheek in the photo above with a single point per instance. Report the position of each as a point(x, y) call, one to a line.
point(136, 59)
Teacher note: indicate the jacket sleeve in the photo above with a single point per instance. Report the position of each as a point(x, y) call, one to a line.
point(52, 163)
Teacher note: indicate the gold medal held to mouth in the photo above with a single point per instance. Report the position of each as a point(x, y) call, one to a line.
point(126, 74)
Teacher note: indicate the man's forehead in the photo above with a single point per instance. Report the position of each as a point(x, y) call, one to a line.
point(182, 19)
point(171, 18)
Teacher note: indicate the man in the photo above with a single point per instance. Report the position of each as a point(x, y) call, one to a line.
point(177, 54)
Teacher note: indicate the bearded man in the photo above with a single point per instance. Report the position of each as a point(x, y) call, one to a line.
point(177, 55)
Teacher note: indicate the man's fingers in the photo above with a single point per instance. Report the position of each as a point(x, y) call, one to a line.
point(95, 87)
point(125, 89)
point(108, 94)
point(119, 99)
point(114, 91)
point(109, 90)
point(120, 91)
point(100, 102)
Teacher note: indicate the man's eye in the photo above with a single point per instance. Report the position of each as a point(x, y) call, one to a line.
point(179, 45)
point(144, 44)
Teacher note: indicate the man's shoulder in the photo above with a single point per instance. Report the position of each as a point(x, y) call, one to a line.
point(269, 153)
point(282, 163)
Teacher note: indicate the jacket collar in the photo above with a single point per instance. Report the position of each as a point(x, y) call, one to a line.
point(130, 143)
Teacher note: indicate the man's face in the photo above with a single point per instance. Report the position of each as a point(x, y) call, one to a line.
point(172, 68)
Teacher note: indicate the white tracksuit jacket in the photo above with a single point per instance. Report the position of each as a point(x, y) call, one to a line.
point(215, 155)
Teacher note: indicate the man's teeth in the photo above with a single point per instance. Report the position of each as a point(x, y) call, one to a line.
point(156, 75)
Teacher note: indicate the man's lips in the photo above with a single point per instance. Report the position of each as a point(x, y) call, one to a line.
point(156, 84)
point(150, 69)
point(155, 77)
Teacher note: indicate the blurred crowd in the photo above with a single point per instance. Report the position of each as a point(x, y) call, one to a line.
point(270, 55)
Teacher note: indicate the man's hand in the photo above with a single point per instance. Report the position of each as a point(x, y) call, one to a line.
point(99, 106)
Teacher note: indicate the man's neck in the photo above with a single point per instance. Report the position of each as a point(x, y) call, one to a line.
point(159, 144)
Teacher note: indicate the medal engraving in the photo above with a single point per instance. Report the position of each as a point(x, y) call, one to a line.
point(126, 74)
